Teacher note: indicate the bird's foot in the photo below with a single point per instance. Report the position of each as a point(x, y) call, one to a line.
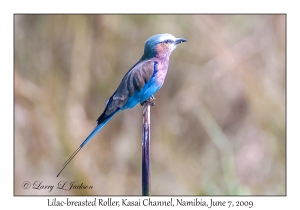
point(149, 101)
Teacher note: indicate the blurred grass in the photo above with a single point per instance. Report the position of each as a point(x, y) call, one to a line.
point(218, 126)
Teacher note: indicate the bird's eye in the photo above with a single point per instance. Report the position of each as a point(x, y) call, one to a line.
point(168, 41)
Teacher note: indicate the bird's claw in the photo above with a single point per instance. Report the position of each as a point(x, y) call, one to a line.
point(149, 101)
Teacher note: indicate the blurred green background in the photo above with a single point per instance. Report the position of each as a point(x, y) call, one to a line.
point(218, 125)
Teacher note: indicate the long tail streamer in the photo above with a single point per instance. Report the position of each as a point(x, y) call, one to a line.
point(93, 133)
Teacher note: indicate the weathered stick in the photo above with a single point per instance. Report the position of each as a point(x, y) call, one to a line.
point(146, 149)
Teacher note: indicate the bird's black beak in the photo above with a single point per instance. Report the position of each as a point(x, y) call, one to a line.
point(179, 40)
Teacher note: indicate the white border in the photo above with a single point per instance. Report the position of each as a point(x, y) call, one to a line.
point(212, 6)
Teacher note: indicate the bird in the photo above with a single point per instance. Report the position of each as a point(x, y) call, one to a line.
point(139, 84)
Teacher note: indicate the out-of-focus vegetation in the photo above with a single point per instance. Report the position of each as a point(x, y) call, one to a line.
point(217, 127)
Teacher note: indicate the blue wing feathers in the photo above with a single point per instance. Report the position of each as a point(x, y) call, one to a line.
point(141, 86)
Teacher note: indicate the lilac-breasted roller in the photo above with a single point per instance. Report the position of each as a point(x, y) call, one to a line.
point(140, 83)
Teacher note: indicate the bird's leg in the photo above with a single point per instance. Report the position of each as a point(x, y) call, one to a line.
point(149, 101)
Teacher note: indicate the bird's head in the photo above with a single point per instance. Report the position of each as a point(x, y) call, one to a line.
point(161, 45)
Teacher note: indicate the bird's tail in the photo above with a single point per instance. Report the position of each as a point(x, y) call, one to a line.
point(92, 134)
